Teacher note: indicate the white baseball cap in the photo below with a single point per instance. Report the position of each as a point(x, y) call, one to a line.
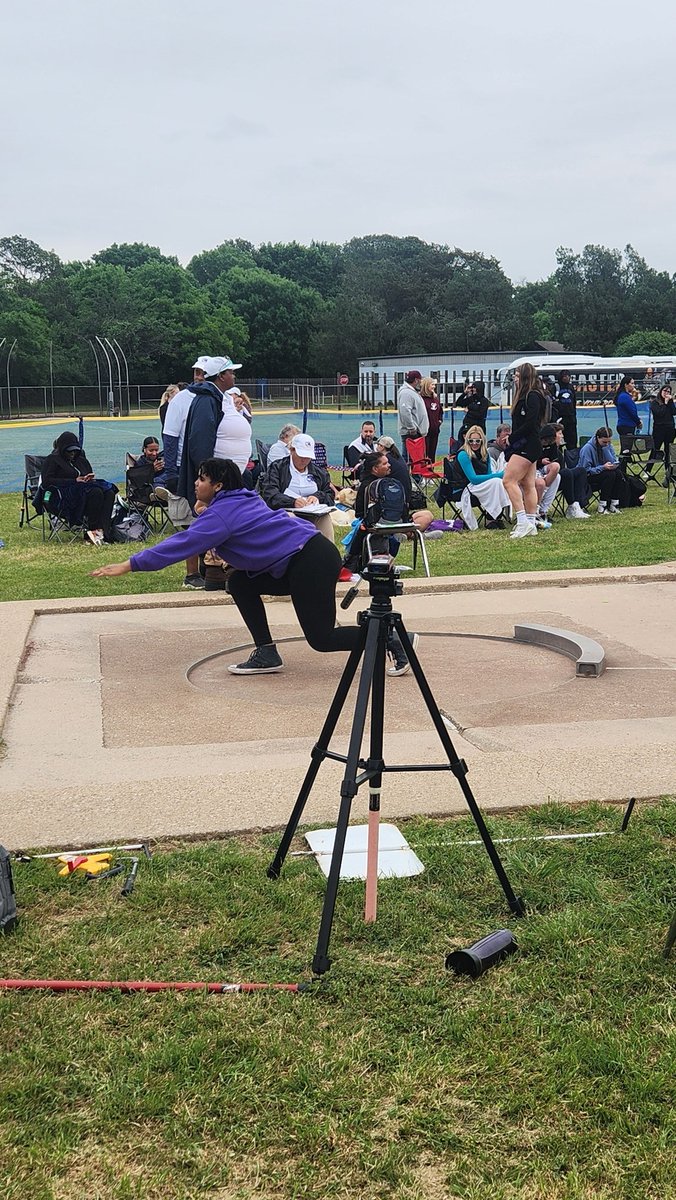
point(304, 445)
point(216, 366)
point(200, 364)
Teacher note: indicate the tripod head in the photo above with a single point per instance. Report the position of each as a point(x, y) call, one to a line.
point(382, 576)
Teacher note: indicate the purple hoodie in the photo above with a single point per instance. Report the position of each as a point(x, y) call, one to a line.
point(243, 531)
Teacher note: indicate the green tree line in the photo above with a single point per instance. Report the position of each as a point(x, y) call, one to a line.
point(286, 309)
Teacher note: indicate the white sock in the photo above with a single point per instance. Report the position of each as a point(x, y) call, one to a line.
point(521, 518)
point(530, 519)
point(602, 506)
point(549, 494)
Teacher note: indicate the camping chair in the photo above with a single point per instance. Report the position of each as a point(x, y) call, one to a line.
point(351, 459)
point(670, 474)
point(56, 527)
point(321, 457)
point(262, 451)
point(451, 489)
point(31, 483)
point(421, 467)
point(636, 458)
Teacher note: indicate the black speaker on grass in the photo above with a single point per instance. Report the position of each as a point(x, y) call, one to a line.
point(477, 959)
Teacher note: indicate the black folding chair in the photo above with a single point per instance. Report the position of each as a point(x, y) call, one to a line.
point(31, 483)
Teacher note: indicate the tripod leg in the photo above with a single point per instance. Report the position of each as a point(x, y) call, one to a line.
point(459, 768)
point(318, 755)
point(375, 762)
point(348, 789)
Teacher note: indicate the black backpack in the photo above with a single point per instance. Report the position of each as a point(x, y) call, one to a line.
point(385, 501)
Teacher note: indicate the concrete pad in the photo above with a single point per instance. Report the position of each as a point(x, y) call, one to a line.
point(106, 738)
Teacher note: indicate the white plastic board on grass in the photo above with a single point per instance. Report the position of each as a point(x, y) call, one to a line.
point(395, 857)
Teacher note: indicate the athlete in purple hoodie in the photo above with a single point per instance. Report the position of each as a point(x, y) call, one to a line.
point(273, 553)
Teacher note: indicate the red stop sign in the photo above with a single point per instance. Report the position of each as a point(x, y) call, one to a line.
point(343, 380)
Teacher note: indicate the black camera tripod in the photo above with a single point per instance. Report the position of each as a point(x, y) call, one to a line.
point(376, 626)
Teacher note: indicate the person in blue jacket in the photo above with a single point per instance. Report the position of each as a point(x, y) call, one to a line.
point(628, 420)
point(482, 481)
point(603, 470)
point(273, 555)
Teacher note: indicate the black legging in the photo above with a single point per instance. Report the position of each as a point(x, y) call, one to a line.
point(663, 436)
point(310, 580)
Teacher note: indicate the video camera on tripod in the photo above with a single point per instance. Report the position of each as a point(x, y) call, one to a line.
point(382, 575)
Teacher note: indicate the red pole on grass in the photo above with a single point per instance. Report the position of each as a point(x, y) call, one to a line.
point(140, 985)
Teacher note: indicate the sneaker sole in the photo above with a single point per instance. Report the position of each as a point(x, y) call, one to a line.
point(255, 670)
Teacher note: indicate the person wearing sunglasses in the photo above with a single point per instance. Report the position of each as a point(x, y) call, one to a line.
point(483, 482)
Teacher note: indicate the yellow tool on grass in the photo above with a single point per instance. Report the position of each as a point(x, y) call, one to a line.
point(92, 864)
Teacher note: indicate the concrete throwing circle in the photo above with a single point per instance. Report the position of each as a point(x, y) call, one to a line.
point(476, 679)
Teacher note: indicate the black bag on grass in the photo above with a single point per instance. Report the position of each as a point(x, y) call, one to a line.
point(8, 914)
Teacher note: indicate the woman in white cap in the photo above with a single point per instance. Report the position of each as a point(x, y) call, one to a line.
point(297, 484)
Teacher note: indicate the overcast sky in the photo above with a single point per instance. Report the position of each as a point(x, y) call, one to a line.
point(508, 128)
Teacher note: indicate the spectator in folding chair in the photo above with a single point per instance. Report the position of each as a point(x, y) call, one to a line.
point(547, 478)
point(151, 457)
point(485, 484)
point(280, 448)
point(497, 445)
point(603, 471)
point(364, 444)
point(574, 484)
point(300, 486)
point(82, 497)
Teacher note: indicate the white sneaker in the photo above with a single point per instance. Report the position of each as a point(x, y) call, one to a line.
point(614, 508)
point(432, 535)
point(524, 531)
point(601, 507)
point(575, 512)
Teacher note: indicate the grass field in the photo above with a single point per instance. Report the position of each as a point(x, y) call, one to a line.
point(635, 537)
point(550, 1078)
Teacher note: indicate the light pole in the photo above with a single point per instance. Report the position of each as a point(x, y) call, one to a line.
point(51, 373)
point(111, 393)
point(98, 373)
point(9, 394)
point(126, 375)
point(1, 404)
point(119, 371)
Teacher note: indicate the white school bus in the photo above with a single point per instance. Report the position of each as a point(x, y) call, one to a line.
point(595, 378)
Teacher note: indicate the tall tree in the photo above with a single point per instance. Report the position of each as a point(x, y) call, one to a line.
point(210, 265)
point(280, 317)
point(646, 341)
point(23, 262)
point(130, 255)
point(317, 266)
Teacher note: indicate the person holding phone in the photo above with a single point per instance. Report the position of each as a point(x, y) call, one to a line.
point(79, 495)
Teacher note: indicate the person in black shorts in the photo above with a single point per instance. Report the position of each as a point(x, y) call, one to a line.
point(528, 409)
